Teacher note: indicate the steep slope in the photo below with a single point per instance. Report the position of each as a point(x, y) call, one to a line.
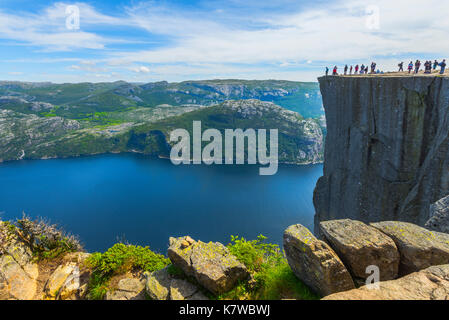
point(300, 140)
point(387, 148)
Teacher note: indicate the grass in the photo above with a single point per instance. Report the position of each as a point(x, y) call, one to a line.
point(120, 259)
point(272, 278)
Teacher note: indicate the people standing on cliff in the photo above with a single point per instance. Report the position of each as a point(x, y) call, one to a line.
point(356, 69)
point(334, 72)
point(362, 69)
point(429, 66)
point(435, 64)
point(350, 70)
point(417, 66)
point(443, 66)
point(346, 69)
point(410, 67)
point(373, 67)
point(426, 66)
point(366, 70)
point(327, 71)
point(401, 67)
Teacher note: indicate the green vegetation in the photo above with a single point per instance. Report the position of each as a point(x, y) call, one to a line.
point(64, 120)
point(120, 259)
point(272, 277)
point(46, 241)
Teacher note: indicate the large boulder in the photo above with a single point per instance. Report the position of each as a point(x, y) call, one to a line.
point(439, 216)
point(314, 262)
point(211, 264)
point(419, 248)
point(360, 246)
point(161, 285)
point(429, 284)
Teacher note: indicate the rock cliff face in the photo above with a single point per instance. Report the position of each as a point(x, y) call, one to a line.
point(387, 148)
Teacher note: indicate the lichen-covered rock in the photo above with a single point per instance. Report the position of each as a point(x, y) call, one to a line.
point(419, 248)
point(184, 290)
point(211, 264)
point(129, 288)
point(429, 284)
point(160, 285)
point(314, 262)
point(359, 246)
point(387, 148)
point(157, 284)
point(439, 216)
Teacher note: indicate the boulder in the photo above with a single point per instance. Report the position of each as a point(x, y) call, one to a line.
point(184, 290)
point(314, 262)
point(360, 246)
point(160, 285)
point(439, 216)
point(419, 248)
point(211, 264)
point(429, 284)
point(130, 288)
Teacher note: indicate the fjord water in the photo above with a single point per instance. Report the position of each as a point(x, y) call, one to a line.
point(141, 200)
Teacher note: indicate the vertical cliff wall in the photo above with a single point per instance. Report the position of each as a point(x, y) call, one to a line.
point(387, 148)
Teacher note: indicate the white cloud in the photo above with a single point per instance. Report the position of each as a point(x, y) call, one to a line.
point(141, 69)
point(287, 45)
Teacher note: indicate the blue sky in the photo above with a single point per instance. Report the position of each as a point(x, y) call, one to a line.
point(175, 40)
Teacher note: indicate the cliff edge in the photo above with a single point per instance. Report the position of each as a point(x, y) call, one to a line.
point(386, 150)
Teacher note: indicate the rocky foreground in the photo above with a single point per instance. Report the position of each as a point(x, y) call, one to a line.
point(411, 263)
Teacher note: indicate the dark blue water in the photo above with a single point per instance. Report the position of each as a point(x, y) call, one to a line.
point(144, 200)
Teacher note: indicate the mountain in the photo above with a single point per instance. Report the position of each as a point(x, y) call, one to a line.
point(147, 130)
point(78, 100)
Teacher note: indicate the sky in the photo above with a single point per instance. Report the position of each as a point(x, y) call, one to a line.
point(177, 40)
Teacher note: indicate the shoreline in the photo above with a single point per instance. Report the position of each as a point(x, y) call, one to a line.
point(147, 155)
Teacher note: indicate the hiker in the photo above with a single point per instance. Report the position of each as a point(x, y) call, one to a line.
point(362, 69)
point(426, 67)
point(334, 72)
point(366, 70)
point(401, 67)
point(346, 69)
point(356, 69)
point(373, 67)
point(435, 65)
point(327, 71)
point(417, 66)
point(443, 66)
point(410, 67)
point(429, 66)
point(350, 70)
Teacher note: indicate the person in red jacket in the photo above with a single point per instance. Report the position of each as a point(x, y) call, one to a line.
point(335, 71)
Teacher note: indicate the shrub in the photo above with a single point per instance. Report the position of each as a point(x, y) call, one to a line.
point(119, 259)
point(272, 277)
point(45, 240)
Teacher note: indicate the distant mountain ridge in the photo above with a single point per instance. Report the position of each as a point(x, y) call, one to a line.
point(77, 100)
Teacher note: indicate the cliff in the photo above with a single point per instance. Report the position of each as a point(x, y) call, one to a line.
point(386, 150)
